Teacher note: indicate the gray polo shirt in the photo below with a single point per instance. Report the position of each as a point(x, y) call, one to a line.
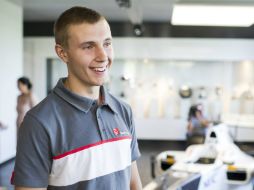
point(72, 142)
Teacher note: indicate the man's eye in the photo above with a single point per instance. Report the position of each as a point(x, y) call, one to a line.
point(107, 44)
point(87, 47)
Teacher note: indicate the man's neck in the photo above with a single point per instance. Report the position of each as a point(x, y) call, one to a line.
point(85, 91)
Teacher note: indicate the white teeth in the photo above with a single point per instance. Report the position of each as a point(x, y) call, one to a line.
point(100, 69)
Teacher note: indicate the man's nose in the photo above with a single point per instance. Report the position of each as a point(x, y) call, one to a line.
point(101, 54)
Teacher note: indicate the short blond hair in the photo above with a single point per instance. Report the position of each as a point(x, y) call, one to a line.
point(72, 16)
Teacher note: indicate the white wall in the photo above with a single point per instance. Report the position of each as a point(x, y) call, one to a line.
point(184, 48)
point(11, 53)
point(37, 50)
point(36, 53)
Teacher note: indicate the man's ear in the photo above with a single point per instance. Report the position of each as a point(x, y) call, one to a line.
point(60, 51)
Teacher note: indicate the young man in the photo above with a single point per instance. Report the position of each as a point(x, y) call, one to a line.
point(80, 136)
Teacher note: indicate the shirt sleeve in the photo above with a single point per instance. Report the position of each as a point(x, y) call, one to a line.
point(134, 143)
point(33, 160)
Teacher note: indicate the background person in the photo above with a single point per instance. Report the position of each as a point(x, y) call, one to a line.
point(25, 100)
point(197, 124)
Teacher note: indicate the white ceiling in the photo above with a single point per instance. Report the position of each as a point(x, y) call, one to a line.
point(141, 10)
point(146, 10)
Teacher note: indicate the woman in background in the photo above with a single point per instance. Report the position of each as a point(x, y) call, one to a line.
point(25, 100)
point(197, 123)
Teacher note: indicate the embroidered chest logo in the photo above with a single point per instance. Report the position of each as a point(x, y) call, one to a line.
point(116, 131)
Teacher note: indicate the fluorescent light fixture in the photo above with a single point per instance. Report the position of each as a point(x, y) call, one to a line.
point(213, 15)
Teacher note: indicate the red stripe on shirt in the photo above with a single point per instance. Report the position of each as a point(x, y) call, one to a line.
point(12, 178)
point(89, 146)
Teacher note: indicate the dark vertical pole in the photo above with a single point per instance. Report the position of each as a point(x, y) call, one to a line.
point(152, 160)
point(49, 75)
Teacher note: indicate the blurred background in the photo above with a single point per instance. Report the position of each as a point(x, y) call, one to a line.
point(169, 55)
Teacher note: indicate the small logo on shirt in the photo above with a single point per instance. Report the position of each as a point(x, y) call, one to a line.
point(117, 132)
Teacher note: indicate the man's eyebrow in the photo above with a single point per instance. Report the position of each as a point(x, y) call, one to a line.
point(108, 39)
point(87, 43)
point(92, 42)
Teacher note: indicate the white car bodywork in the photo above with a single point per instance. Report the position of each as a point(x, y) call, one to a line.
point(230, 169)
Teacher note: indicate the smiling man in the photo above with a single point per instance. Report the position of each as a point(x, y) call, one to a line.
point(80, 136)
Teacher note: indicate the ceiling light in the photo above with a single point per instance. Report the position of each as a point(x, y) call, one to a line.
point(213, 15)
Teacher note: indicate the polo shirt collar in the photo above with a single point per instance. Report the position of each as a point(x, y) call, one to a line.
point(83, 103)
point(106, 99)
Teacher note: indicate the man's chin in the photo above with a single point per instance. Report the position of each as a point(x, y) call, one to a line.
point(99, 83)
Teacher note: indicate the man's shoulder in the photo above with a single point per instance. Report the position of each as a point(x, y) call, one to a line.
point(119, 102)
point(44, 108)
point(122, 108)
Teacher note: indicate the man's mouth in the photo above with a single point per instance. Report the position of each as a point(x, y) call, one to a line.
point(100, 69)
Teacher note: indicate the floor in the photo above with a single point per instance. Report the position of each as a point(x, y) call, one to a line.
point(5, 175)
point(147, 149)
point(152, 148)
